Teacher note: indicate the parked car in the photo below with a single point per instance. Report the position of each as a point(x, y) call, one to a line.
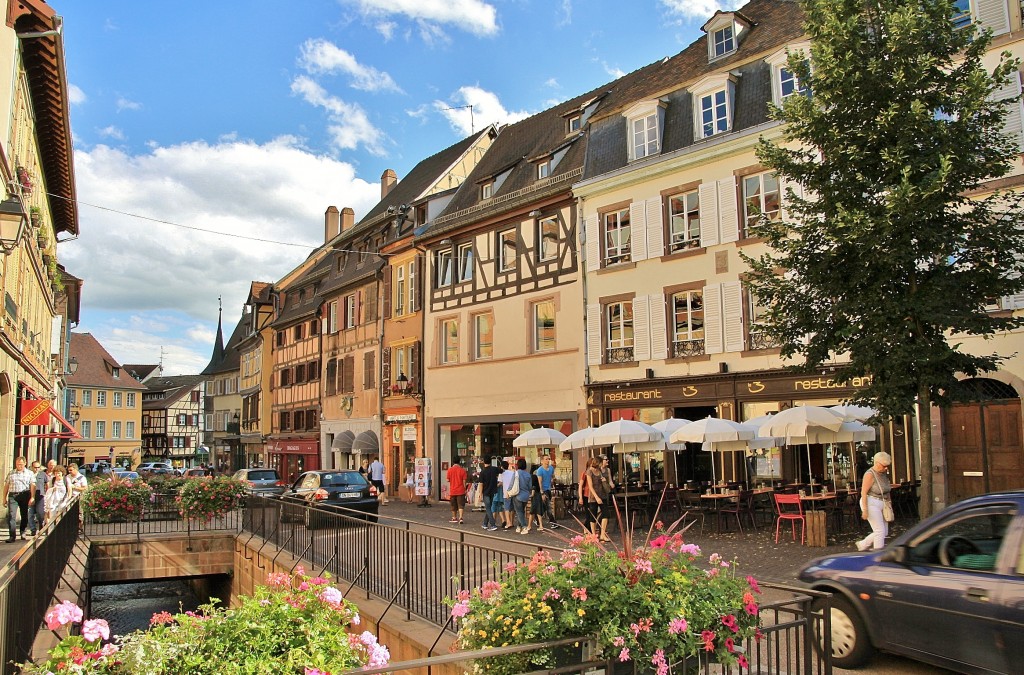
point(949, 592)
point(127, 475)
point(96, 467)
point(261, 481)
point(349, 489)
point(157, 469)
point(197, 472)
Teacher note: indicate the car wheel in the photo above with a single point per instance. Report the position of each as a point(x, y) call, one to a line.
point(851, 647)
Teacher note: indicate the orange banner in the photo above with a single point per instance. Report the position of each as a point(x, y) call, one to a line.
point(35, 411)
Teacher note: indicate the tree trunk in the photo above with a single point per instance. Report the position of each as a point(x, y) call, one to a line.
point(924, 424)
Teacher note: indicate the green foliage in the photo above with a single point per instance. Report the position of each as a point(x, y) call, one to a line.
point(206, 498)
point(886, 256)
point(115, 499)
point(166, 484)
point(650, 605)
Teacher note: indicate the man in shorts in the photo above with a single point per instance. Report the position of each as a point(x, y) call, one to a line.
point(457, 489)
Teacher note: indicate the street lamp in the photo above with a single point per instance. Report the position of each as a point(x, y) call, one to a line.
point(73, 365)
point(12, 223)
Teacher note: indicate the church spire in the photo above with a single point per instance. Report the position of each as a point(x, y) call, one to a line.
point(218, 344)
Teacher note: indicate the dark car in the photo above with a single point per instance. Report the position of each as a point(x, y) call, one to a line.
point(949, 592)
point(261, 481)
point(348, 489)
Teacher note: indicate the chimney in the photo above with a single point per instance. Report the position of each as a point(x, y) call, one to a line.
point(332, 224)
point(387, 181)
point(348, 218)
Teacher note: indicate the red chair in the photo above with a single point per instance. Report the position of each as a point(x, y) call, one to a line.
point(789, 507)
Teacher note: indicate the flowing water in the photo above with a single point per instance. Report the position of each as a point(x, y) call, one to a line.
point(128, 607)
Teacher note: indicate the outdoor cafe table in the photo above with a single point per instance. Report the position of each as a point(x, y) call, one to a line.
point(717, 499)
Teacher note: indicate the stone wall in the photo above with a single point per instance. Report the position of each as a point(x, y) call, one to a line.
point(161, 556)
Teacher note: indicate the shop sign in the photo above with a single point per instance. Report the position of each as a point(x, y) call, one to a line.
point(801, 385)
point(421, 476)
point(659, 394)
point(294, 447)
point(400, 419)
point(409, 433)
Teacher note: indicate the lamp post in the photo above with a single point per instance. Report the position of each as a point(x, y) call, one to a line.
point(12, 223)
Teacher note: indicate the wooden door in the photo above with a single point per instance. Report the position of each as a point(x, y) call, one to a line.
point(984, 449)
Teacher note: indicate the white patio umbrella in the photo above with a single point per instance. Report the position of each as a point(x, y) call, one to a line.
point(666, 427)
point(712, 430)
point(797, 423)
point(854, 413)
point(578, 440)
point(849, 432)
point(539, 437)
point(625, 435)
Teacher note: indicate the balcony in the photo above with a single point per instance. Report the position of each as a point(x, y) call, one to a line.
point(760, 340)
point(683, 349)
point(619, 355)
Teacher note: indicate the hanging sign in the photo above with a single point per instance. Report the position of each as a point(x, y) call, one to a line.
point(34, 411)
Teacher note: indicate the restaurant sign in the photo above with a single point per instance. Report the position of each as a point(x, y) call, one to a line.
point(779, 387)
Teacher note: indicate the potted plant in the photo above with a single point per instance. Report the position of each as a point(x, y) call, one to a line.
point(35, 215)
point(116, 499)
point(207, 498)
point(24, 180)
point(649, 607)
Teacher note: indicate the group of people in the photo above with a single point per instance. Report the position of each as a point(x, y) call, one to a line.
point(33, 495)
point(511, 497)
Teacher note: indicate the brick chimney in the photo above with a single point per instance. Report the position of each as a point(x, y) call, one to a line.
point(388, 180)
point(348, 218)
point(332, 223)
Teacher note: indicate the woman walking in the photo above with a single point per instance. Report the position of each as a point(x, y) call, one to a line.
point(874, 494)
point(56, 494)
point(538, 501)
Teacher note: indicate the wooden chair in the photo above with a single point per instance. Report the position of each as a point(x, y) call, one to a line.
point(789, 507)
point(691, 504)
point(743, 505)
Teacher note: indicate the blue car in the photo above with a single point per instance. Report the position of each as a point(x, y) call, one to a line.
point(949, 592)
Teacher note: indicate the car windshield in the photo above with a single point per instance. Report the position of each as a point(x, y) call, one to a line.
point(261, 475)
point(353, 478)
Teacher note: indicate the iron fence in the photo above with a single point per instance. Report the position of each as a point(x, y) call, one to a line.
point(28, 583)
point(160, 515)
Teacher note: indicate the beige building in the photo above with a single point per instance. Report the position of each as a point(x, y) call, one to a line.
point(106, 406)
point(224, 412)
point(256, 366)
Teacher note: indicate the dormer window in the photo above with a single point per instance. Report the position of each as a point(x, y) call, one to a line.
point(722, 42)
point(544, 169)
point(646, 121)
point(725, 32)
point(785, 83)
point(713, 100)
point(486, 190)
point(574, 123)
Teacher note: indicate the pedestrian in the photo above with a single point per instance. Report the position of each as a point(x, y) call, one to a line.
point(538, 501)
point(36, 514)
point(362, 466)
point(546, 472)
point(19, 495)
point(874, 495)
point(521, 488)
point(76, 482)
point(56, 493)
point(583, 495)
point(457, 489)
point(507, 477)
point(600, 487)
point(376, 471)
point(489, 480)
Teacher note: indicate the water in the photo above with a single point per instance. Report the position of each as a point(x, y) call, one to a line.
point(129, 607)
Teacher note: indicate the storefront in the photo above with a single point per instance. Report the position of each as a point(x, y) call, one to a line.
point(402, 445)
point(293, 456)
point(740, 396)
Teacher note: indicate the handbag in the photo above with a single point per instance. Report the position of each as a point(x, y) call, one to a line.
point(887, 512)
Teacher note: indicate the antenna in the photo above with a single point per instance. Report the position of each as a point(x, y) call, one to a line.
point(472, 124)
point(162, 359)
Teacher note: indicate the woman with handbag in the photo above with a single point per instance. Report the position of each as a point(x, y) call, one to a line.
point(875, 505)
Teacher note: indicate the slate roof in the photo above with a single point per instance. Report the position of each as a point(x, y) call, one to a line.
point(173, 386)
point(95, 364)
point(141, 371)
point(231, 359)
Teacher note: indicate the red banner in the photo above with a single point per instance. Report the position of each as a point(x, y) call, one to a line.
point(35, 411)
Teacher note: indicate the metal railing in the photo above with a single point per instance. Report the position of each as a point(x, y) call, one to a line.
point(28, 583)
point(160, 516)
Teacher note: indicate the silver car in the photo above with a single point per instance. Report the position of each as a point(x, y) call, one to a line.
point(263, 482)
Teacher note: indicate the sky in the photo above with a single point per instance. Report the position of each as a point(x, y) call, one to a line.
point(211, 137)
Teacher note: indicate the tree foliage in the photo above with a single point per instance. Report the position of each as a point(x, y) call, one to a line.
point(885, 257)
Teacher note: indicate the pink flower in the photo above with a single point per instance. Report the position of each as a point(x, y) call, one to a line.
point(659, 660)
point(730, 644)
point(729, 621)
point(279, 579)
point(618, 640)
point(330, 595)
point(579, 594)
point(659, 542)
point(463, 595)
point(753, 584)
point(315, 671)
point(624, 654)
point(643, 565)
point(460, 609)
point(304, 586)
point(677, 626)
point(60, 615)
point(708, 638)
point(109, 649)
point(161, 618)
point(742, 661)
point(489, 588)
point(95, 629)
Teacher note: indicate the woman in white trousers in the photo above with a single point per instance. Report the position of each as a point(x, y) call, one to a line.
point(874, 490)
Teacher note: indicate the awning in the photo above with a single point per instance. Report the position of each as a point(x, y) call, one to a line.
point(40, 415)
point(366, 442)
point(343, 441)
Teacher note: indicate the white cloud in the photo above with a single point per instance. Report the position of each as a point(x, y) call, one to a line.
point(552, 83)
point(487, 109)
point(349, 125)
point(127, 104)
point(387, 29)
point(612, 70)
point(698, 9)
point(111, 132)
point(75, 95)
point(323, 57)
point(473, 16)
point(566, 13)
point(157, 285)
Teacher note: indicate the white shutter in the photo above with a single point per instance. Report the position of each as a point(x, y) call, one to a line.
point(732, 310)
point(708, 197)
point(594, 335)
point(641, 330)
point(713, 320)
point(1012, 301)
point(1012, 125)
point(655, 230)
point(993, 14)
point(637, 232)
point(729, 224)
point(659, 329)
point(593, 235)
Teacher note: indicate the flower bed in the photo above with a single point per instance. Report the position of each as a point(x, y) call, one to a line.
point(654, 605)
point(115, 499)
point(207, 498)
point(292, 625)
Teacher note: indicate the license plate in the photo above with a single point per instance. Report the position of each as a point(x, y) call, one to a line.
point(349, 495)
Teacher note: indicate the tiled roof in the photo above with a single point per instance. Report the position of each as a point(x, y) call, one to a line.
point(95, 366)
point(173, 386)
point(259, 291)
point(141, 371)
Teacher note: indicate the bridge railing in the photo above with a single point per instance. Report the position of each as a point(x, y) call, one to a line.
point(160, 515)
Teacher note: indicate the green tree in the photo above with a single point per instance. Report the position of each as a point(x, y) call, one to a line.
point(884, 257)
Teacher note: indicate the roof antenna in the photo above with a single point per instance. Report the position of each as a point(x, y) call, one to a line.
point(161, 359)
point(472, 124)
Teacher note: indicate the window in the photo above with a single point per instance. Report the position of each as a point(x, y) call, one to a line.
point(285, 420)
point(85, 428)
point(619, 332)
point(401, 362)
point(129, 430)
point(300, 373)
point(369, 370)
point(115, 430)
point(115, 373)
point(687, 324)
point(286, 377)
point(129, 400)
point(785, 83)
point(757, 338)
point(450, 341)
point(299, 331)
point(331, 383)
point(789, 83)
point(544, 326)
point(483, 336)
point(486, 190)
point(350, 311)
point(575, 122)
point(101, 429)
point(714, 113)
point(332, 317)
point(961, 13)
point(279, 338)
point(645, 136)
point(400, 290)
point(683, 221)
point(544, 169)
point(101, 399)
point(313, 371)
point(761, 200)
point(443, 267)
point(178, 442)
point(723, 42)
point(118, 397)
point(465, 262)
point(508, 250)
point(547, 239)
point(182, 419)
point(616, 236)
point(72, 397)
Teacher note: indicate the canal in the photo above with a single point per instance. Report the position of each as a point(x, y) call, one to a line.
point(129, 607)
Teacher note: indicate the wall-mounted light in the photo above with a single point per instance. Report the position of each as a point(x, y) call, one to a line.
point(12, 223)
point(72, 365)
point(535, 213)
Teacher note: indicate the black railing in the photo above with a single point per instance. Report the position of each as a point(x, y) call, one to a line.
point(160, 515)
point(761, 340)
point(28, 583)
point(686, 348)
point(619, 355)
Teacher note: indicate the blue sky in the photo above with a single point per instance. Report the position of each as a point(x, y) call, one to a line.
point(202, 127)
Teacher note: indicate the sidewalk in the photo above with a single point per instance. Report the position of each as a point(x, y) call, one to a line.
point(756, 553)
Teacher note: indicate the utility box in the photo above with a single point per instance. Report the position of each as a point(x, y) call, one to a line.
point(817, 535)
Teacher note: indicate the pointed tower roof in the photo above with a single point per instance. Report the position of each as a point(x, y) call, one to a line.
point(218, 344)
